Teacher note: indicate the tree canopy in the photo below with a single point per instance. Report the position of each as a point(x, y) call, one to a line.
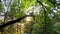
point(45, 13)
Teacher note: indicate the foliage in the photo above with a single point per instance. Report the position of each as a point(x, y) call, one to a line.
point(49, 20)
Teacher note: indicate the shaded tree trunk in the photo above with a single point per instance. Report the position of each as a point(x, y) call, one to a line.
point(31, 27)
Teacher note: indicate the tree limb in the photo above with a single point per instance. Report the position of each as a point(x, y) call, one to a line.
point(45, 26)
point(12, 22)
point(52, 2)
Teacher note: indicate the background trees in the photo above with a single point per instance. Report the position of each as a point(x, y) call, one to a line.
point(46, 15)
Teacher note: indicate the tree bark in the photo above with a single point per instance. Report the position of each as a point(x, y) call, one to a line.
point(12, 22)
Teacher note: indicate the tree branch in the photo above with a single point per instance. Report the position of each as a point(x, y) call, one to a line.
point(44, 5)
point(52, 2)
point(45, 26)
point(39, 2)
point(12, 22)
